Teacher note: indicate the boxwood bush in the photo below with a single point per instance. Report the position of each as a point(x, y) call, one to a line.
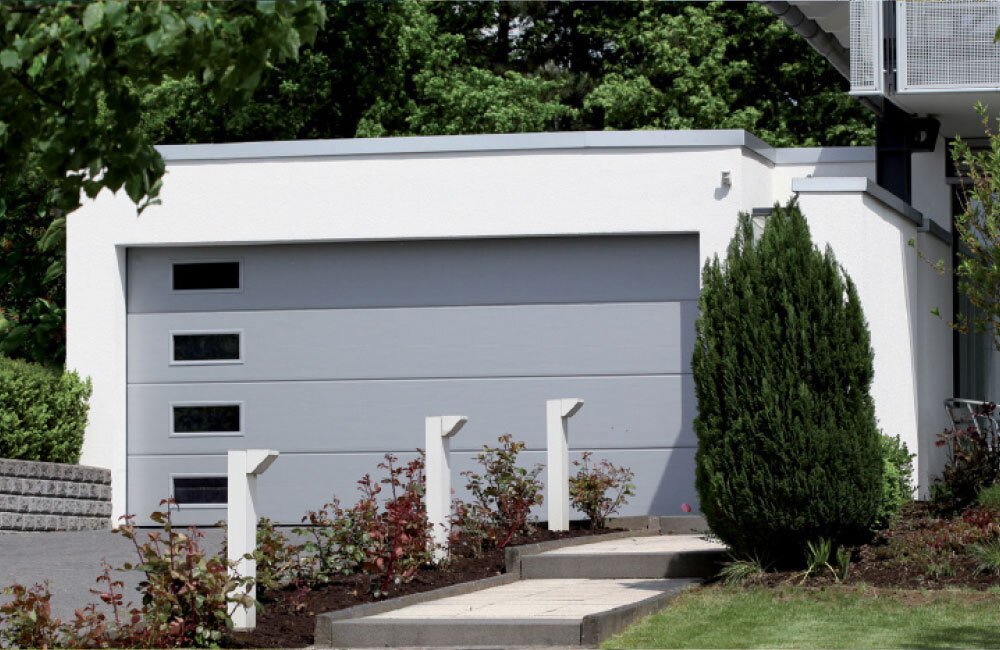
point(788, 447)
point(43, 412)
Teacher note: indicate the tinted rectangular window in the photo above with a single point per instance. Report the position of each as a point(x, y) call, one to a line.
point(200, 489)
point(207, 347)
point(206, 276)
point(215, 418)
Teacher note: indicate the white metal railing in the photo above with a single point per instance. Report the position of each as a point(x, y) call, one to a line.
point(867, 60)
point(947, 46)
point(940, 46)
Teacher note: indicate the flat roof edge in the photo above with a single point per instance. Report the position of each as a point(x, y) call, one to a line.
point(867, 187)
point(813, 155)
point(468, 143)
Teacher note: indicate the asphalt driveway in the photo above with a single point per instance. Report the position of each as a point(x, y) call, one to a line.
point(71, 562)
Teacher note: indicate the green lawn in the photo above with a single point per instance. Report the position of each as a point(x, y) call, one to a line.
point(837, 617)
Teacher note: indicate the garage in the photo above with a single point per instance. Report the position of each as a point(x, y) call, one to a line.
point(333, 353)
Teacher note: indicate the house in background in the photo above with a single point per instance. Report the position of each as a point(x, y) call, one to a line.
point(323, 297)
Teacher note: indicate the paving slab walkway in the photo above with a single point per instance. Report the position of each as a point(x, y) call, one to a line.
point(638, 575)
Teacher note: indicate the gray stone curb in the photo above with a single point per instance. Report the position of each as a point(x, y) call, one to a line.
point(597, 628)
point(14, 521)
point(679, 564)
point(53, 488)
point(54, 471)
point(472, 632)
point(514, 554)
point(671, 525)
point(28, 505)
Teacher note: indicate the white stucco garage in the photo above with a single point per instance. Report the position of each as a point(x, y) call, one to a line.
point(322, 297)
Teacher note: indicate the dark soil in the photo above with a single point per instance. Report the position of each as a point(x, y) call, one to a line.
point(287, 617)
point(878, 563)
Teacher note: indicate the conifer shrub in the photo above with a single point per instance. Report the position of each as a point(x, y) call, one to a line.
point(788, 447)
point(43, 412)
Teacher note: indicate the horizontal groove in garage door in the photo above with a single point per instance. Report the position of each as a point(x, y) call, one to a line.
point(516, 340)
point(664, 479)
point(541, 270)
point(355, 416)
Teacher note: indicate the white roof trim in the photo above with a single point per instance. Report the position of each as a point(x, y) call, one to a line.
point(813, 155)
point(862, 185)
point(468, 143)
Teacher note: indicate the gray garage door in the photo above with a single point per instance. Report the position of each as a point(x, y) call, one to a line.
point(334, 354)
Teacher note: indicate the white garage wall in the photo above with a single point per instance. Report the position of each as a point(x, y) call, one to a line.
point(490, 186)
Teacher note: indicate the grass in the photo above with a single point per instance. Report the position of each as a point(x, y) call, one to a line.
point(836, 617)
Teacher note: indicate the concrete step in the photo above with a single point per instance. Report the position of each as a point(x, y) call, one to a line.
point(562, 612)
point(662, 556)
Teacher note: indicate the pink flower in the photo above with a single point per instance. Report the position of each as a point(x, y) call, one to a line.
point(685, 507)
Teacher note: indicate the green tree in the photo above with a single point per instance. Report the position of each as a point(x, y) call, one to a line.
point(788, 448)
point(183, 72)
point(71, 81)
point(977, 228)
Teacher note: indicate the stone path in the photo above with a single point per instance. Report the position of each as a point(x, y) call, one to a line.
point(556, 602)
point(558, 599)
point(653, 544)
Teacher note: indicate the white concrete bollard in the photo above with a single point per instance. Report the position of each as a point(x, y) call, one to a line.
point(438, 432)
point(557, 412)
point(245, 465)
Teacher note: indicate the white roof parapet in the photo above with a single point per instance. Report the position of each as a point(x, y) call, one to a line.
point(813, 155)
point(468, 143)
point(862, 185)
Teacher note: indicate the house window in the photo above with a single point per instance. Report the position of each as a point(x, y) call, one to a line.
point(200, 490)
point(206, 419)
point(206, 276)
point(206, 347)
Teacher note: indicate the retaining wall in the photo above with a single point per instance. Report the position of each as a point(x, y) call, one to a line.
point(53, 496)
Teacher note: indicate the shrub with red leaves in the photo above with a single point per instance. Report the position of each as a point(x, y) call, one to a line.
point(973, 463)
point(503, 494)
point(396, 536)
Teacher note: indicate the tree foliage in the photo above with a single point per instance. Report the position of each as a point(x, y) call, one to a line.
point(86, 90)
point(977, 228)
point(788, 448)
point(381, 69)
point(72, 78)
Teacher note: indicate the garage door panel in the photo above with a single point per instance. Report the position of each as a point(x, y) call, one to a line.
point(426, 273)
point(299, 482)
point(508, 341)
point(648, 411)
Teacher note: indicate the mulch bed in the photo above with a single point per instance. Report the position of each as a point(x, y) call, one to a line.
point(287, 619)
point(869, 565)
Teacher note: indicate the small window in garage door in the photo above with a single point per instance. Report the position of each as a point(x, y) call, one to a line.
point(200, 490)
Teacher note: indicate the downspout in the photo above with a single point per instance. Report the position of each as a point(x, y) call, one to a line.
point(820, 40)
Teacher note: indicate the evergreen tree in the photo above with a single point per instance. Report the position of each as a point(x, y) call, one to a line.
point(788, 447)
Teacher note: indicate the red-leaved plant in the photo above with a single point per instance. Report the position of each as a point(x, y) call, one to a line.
point(600, 490)
point(503, 494)
point(974, 460)
point(395, 536)
point(188, 595)
point(188, 598)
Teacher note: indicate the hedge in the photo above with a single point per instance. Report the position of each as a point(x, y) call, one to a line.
point(43, 412)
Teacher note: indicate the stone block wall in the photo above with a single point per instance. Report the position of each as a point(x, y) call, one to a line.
point(53, 496)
